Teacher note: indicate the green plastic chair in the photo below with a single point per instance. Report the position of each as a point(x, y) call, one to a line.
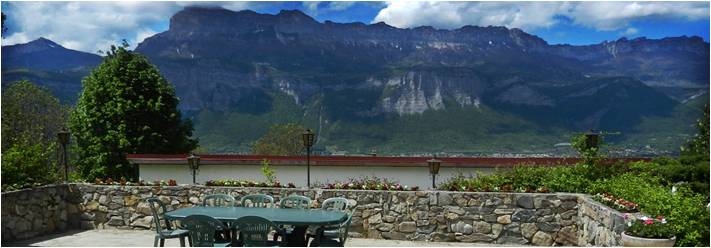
point(257, 201)
point(202, 230)
point(330, 204)
point(222, 200)
point(293, 201)
point(338, 241)
point(254, 231)
point(335, 204)
point(219, 200)
point(158, 209)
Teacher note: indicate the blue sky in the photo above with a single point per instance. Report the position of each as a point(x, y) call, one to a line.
point(92, 26)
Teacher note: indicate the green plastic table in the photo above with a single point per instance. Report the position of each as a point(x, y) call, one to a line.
point(299, 218)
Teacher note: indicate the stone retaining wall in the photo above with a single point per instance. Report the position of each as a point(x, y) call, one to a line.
point(39, 211)
point(498, 218)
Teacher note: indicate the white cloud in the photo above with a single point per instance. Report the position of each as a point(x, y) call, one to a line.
point(311, 7)
point(340, 5)
point(629, 31)
point(617, 15)
point(533, 15)
point(93, 26)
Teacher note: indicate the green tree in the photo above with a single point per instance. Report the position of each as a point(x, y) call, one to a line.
point(281, 140)
point(126, 107)
point(699, 145)
point(31, 118)
point(4, 18)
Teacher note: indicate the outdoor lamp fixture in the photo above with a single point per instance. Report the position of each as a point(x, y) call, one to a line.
point(63, 139)
point(434, 164)
point(592, 139)
point(308, 137)
point(194, 163)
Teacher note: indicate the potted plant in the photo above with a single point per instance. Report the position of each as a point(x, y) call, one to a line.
point(648, 232)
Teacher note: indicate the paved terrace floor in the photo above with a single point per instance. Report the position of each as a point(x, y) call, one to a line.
point(132, 238)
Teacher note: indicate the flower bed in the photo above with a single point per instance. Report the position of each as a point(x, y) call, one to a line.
point(618, 204)
point(123, 182)
point(247, 183)
point(370, 183)
point(645, 227)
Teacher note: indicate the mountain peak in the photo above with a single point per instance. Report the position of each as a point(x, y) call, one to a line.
point(43, 42)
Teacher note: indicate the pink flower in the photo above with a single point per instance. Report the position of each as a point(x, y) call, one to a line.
point(648, 222)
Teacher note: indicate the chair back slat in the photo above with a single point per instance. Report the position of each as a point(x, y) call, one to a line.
point(254, 230)
point(219, 200)
point(335, 204)
point(257, 201)
point(159, 209)
point(295, 201)
point(202, 229)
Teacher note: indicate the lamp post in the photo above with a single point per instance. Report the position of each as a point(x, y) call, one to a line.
point(308, 137)
point(434, 164)
point(63, 139)
point(592, 139)
point(194, 163)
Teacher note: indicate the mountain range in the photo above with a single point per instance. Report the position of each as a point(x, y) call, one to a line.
point(367, 87)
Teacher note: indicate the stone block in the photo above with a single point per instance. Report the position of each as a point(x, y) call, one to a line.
point(525, 201)
point(115, 221)
point(504, 219)
point(407, 227)
point(503, 211)
point(567, 236)
point(474, 237)
point(524, 215)
point(528, 230)
point(480, 227)
point(393, 235)
point(542, 239)
point(384, 227)
point(548, 226)
point(143, 222)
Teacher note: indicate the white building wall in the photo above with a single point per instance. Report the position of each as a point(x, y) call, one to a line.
point(411, 176)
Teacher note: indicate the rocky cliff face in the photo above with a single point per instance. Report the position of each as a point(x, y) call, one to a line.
point(213, 55)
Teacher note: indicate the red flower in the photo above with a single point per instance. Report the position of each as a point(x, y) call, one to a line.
point(648, 222)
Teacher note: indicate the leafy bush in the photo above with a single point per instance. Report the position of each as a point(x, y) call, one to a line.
point(685, 211)
point(566, 178)
point(524, 178)
point(268, 172)
point(690, 171)
point(25, 166)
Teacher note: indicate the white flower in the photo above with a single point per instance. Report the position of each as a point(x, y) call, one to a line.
point(664, 221)
point(629, 223)
point(644, 218)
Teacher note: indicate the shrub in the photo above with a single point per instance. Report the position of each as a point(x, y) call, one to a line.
point(25, 166)
point(566, 178)
point(268, 172)
point(685, 211)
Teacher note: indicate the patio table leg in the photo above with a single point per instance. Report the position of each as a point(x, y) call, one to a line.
point(297, 238)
